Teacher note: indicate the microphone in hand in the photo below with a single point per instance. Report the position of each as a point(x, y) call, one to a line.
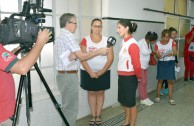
point(111, 41)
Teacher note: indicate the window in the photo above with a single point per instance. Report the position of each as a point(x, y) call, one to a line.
point(180, 23)
point(9, 5)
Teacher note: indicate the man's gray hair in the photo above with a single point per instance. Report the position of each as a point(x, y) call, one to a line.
point(66, 17)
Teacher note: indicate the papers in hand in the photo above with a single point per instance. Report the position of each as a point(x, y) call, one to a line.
point(69, 65)
point(177, 69)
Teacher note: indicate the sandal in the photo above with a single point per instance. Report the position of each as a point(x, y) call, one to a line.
point(126, 125)
point(172, 102)
point(98, 120)
point(157, 100)
point(92, 121)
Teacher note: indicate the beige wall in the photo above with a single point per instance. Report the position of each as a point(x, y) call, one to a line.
point(169, 6)
point(176, 6)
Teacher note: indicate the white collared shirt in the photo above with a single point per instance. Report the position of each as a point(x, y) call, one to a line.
point(64, 42)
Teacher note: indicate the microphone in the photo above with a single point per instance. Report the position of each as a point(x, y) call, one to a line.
point(111, 41)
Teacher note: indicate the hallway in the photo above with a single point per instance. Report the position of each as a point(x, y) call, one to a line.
point(159, 114)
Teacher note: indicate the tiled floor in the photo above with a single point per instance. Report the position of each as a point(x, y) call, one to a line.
point(159, 114)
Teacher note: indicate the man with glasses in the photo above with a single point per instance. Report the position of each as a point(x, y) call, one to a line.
point(67, 78)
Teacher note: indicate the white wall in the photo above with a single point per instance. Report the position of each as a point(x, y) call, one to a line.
point(133, 9)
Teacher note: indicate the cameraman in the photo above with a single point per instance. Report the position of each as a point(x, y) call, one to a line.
point(10, 63)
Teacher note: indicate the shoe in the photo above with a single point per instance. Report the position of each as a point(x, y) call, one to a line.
point(126, 125)
point(166, 91)
point(98, 120)
point(172, 102)
point(145, 102)
point(186, 80)
point(149, 101)
point(157, 100)
point(92, 121)
point(161, 92)
point(192, 79)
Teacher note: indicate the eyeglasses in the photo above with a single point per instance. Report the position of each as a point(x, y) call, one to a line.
point(73, 23)
point(97, 26)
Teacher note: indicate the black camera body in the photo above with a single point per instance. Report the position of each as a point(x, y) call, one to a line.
point(24, 32)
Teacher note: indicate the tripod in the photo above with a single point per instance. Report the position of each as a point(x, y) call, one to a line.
point(27, 85)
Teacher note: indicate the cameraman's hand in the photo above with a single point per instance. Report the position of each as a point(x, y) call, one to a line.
point(103, 51)
point(43, 36)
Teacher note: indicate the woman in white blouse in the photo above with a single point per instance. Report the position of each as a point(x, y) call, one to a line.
point(145, 51)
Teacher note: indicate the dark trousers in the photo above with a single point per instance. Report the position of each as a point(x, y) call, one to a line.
point(188, 72)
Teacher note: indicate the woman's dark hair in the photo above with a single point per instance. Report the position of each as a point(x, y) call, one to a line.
point(171, 29)
point(164, 32)
point(151, 36)
point(95, 19)
point(127, 23)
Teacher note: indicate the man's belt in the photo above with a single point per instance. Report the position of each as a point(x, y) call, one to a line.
point(67, 71)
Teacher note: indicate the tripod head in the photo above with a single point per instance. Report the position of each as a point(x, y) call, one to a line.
point(25, 49)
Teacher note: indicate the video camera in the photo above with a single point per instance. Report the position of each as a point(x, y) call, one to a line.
point(24, 32)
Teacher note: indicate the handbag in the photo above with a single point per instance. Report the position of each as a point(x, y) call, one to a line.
point(152, 59)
